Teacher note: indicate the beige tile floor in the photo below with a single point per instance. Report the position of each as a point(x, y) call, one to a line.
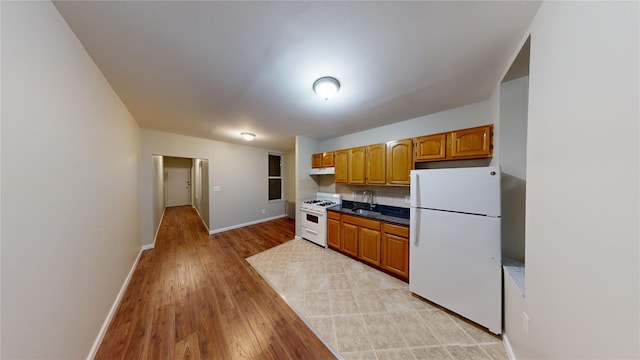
point(362, 313)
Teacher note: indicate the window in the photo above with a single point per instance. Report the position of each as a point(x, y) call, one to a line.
point(275, 177)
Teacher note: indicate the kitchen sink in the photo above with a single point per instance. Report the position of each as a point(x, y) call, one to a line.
point(364, 212)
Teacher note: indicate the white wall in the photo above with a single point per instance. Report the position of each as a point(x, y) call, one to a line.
point(306, 187)
point(158, 190)
point(240, 172)
point(289, 181)
point(582, 247)
point(69, 228)
point(290, 175)
point(205, 193)
point(514, 97)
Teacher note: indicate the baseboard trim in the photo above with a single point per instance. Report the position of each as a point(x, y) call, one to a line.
point(508, 348)
point(151, 246)
point(114, 307)
point(201, 219)
point(215, 231)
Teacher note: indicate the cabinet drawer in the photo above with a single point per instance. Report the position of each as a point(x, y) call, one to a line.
point(398, 230)
point(358, 221)
point(333, 215)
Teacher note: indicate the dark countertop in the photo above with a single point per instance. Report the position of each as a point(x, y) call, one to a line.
point(390, 214)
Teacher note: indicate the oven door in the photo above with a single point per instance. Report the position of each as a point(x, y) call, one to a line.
point(314, 220)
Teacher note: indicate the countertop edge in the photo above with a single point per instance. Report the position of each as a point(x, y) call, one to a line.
point(385, 218)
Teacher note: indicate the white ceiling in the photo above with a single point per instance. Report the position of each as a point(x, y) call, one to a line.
point(214, 69)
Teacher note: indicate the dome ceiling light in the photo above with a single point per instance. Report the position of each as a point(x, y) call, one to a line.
point(248, 136)
point(326, 87)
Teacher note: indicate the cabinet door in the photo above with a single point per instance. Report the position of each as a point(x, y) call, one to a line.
point(349, 239)
point(369, 246)
point(395, 254)
point(399, 162)
point(327, 159)
point(341, 166)
point(357, 157)
point(376, 160)
point(316, 161)
point(431, 147)
point(471, 143)
point(333, 233)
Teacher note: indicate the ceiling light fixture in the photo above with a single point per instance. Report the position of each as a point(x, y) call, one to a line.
point(326, 87)
point(248, 136)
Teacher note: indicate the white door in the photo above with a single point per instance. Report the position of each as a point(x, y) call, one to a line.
point(178, 186)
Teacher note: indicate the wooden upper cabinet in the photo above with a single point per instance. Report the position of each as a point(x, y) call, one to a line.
point(322, 160)
point(399, 162)
point(471, 143)
point(357, 165)
point(376, 164)
point(431, 147)
point(341, 166)
point(316, 161)
point(327, 159)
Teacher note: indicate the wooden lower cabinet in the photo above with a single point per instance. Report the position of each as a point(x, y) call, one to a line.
point(369, 246)
point(377, 243)
point(395, 249)
point(349, 239)
point(333, 230)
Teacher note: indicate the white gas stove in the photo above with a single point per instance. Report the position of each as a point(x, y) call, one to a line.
point(314, 217)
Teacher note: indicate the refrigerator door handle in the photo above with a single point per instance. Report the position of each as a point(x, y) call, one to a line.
point(414, 226)
point(413, 189)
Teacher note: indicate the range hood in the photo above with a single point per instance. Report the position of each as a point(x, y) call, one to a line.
point(323, 171)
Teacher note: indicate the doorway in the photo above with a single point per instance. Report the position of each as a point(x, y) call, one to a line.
point(179, 181)
point(178, 186)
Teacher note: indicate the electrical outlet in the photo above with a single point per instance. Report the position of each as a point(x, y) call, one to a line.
point(407, 199)
point(263, 211)
point(525, 323)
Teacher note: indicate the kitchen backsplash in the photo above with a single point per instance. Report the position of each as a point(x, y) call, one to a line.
point(384, 195)
point(308, 188)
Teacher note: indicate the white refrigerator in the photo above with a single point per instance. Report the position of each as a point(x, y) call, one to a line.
point(455, 256)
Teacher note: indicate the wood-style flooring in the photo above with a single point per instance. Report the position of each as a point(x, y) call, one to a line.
point(194, 296)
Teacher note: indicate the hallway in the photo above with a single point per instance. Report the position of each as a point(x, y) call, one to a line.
point(195, 297)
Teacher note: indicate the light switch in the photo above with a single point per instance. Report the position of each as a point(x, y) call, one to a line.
point(216, 188)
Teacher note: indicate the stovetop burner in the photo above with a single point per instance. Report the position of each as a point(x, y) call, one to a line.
point(323, 203)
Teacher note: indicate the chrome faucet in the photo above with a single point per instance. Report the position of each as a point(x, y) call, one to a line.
point(368, 193)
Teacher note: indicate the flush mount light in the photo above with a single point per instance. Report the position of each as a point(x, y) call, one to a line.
point(248, 136)
point(326, 87)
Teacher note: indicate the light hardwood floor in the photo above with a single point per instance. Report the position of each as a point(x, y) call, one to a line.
point(195, 297)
